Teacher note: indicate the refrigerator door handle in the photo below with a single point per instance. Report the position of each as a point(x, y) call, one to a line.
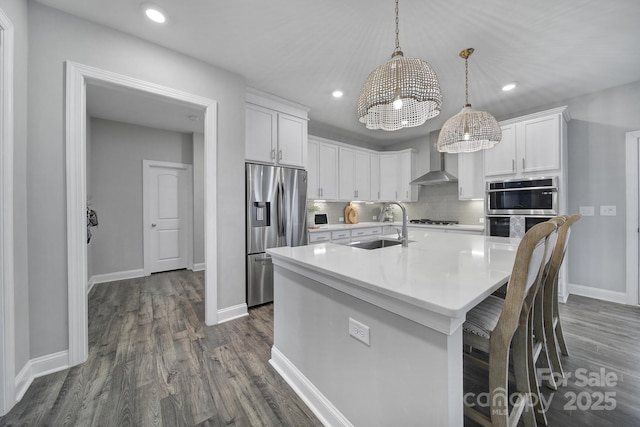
point(280, 209)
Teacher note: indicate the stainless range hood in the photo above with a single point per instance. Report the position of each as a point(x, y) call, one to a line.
point(435, 177)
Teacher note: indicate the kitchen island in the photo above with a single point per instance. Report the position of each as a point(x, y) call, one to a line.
point(408, 303)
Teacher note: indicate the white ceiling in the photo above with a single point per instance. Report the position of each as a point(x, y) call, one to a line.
point(303, 50)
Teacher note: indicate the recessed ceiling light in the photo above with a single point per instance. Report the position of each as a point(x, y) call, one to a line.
point(155, 13)
point(509, 86)
point(337, 93)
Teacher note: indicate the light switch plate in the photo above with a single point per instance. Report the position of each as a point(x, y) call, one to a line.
point(609, 210)
point(587, 211)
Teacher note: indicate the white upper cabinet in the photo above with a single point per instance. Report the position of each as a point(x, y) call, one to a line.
point(292, 140)
point(354, 174)
point(530, 145)
point(375, 177)
point(344, 172)
point(470, 179)
point(322, 171)
point(275, 130)
point(396, 172)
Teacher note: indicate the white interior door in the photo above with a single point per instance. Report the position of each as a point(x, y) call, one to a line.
point(167, 216)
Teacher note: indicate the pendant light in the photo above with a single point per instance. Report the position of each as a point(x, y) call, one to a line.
point(469, 130)
point(403, 92)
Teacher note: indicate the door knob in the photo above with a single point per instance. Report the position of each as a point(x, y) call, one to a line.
point(153, 225)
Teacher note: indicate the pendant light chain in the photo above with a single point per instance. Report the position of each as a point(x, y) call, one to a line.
point(397, 28)
point(466, 81)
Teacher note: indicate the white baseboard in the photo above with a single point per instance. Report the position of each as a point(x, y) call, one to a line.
point(198, 266)
point(603, 294)
point(112, 277)
point(233, 312)
point(328, 414)
point(39, 367)
point(563, 297)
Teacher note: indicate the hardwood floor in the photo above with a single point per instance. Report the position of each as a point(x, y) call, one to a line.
point(603, 384)
point(153, 362)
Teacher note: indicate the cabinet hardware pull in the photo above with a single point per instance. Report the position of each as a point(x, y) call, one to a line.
point(273, 154)
point(461, 191)
point(513, 165)
point(279, 154)
point(523, 163)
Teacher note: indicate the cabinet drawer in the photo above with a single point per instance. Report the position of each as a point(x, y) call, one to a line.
point(366, 232)
point(342, 234)
point(319, 237)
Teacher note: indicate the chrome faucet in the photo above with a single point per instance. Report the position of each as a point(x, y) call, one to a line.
point(405, 233)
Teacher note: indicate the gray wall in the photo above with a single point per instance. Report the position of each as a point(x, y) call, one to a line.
point(117, 152)
point(55, 37)
point(16, 10)
point(597, 129)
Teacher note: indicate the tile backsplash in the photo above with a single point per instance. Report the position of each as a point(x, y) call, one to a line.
point(434, 202)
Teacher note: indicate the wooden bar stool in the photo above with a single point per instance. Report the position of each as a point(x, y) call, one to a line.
point(501, 328)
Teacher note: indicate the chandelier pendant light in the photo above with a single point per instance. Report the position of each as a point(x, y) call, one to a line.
point(403, 92)
point(469, 130)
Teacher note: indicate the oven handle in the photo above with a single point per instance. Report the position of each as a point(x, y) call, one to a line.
point(552, 189)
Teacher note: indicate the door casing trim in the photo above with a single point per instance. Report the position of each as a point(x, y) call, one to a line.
point(76, 78)
point(632, 163)
point(7, 311)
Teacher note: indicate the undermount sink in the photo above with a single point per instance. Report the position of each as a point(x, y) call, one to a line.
point(375, 244)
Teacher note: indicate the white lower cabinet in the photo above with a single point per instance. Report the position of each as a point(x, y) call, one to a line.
point(319, 237)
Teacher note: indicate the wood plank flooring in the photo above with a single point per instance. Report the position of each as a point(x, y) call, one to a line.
point(603, 384)
point(153, 362)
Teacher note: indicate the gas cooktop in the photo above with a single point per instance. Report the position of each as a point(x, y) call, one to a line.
point(433, 221)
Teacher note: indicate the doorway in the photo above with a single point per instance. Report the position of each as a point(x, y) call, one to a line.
point(77, 76)
point(633, 218)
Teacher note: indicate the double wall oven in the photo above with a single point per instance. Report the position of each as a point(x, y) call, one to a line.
point(516, 205)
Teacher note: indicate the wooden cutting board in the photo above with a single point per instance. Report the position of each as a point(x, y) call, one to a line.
point(351, 214)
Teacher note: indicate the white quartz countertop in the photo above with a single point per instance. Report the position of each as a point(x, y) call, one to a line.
point(333, 227)
point(446, 273)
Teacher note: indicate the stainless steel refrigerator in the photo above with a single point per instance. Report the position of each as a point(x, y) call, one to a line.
point(276, 206)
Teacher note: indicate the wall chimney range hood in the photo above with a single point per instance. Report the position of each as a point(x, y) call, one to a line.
point(435, 177)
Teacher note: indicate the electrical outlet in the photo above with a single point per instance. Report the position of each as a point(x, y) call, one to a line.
point(587, 211)
point(359, 331)
point(481, 220)
point(341, 219)
point(375, 217)
point(607, 210)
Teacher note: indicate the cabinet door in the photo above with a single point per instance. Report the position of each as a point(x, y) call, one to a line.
point(375, 176)
point(313, 187)
point(501, 158)
point(328, 171)
point(389, 176)
point(260, 134)
point(407, 164)
point(362, 175)
point(470, 178)
point(539, 149)
point(346, 174)
point(292, 140)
